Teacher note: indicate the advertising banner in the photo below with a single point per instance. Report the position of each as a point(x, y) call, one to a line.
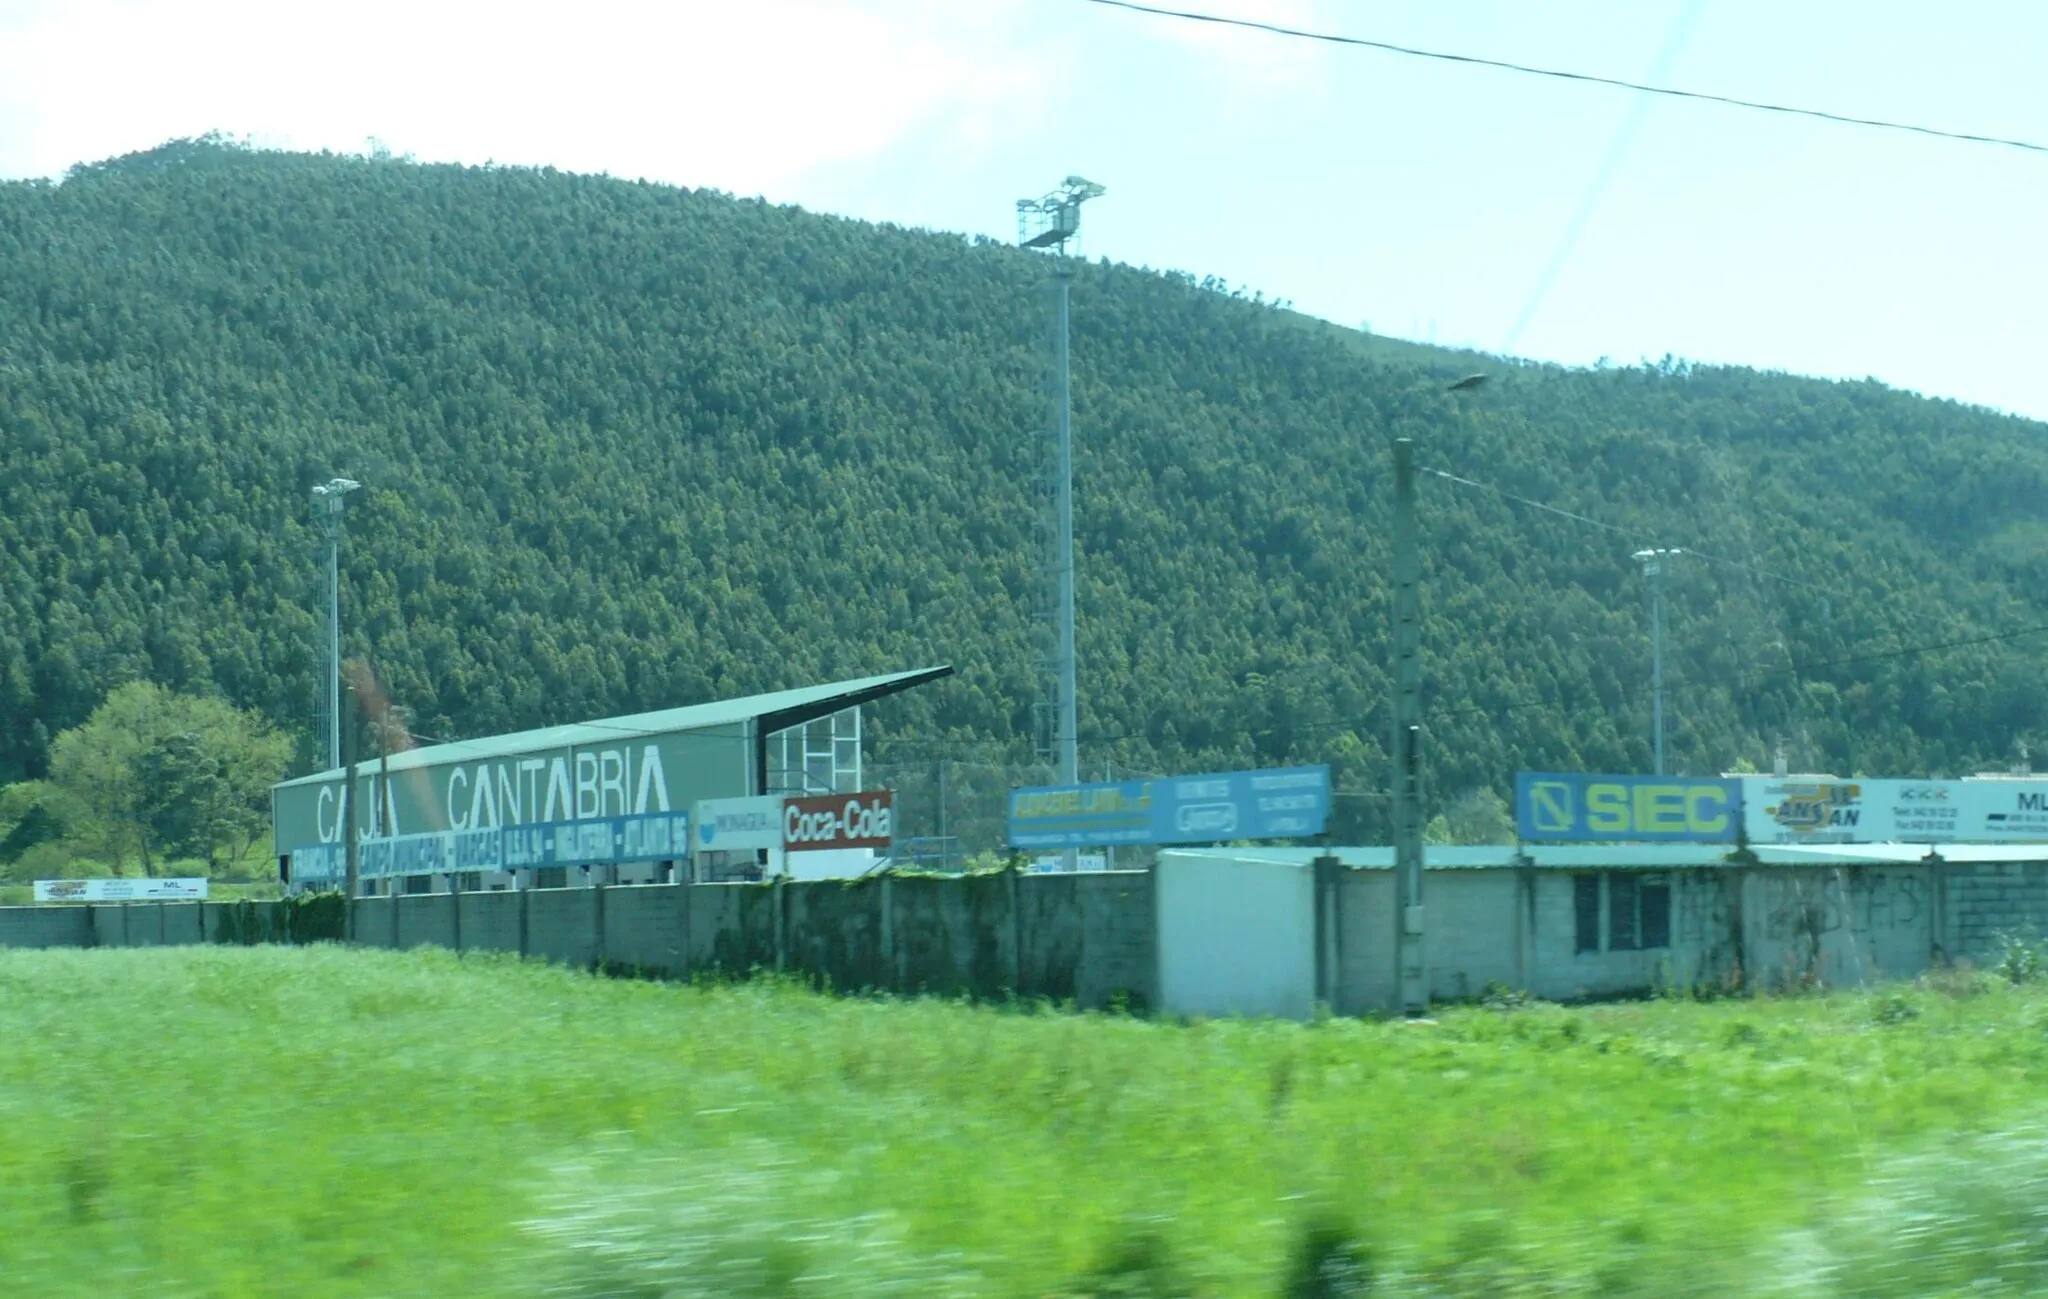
point(2005, 811)
point(660, 837)
point(1574, 807)
point(1053, 863)
point(118, 890)
point(1279, 803)
point(1830, 809)
point(739, 824)
point(863, 820)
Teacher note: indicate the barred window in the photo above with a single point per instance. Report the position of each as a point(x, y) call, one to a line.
point(1586, 907)
point(1655, 893)
point(1623, 932)
point(1638, 911)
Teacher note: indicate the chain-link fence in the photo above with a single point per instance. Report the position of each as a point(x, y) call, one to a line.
point(951, 810)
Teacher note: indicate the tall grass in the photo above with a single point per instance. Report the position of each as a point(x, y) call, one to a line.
point(321, 1122)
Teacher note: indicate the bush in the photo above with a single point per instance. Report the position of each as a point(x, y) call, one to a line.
point(59, 860)
point(1328, 1262)
point(2021, 958)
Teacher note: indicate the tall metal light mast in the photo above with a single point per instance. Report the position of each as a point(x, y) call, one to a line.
point(331, 500)
point(1049, 222)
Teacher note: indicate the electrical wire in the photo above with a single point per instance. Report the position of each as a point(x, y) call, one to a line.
point(1752, 570)
point(1682, 24)
point(1559, 74)
point(1534, 505)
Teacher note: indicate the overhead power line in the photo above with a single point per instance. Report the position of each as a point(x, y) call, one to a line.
point(1534, 505)
point(1761, 574)
point(1559, 74)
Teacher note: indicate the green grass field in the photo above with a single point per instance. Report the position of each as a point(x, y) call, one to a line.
point(313, 1122)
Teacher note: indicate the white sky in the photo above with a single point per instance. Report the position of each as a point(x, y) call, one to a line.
point(1422, 198)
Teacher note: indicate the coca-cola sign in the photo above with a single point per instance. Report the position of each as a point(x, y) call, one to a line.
point(863, 820)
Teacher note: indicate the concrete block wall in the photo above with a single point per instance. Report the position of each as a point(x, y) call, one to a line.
point(1093, 938)
point(837, 933)
point(1839, 925)
point(646, 930)
point(1702, 950)
point(1988, 898)
point(425, 920)
point(1049, 945)
point(951, 937)
point(1085, 938)
point(1477, 927)
point(1367, 979)
point(562, 925)
point(733, 928)
point(1119, 960)
point(46, 927)
point(1771, 926)
point(492, 922)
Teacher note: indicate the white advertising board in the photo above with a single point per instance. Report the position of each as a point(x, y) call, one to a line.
point(118, 890)
point(1051, 863)
point(738, 824)
point(830, 864)
point(2005, 811)
point(1830, 809)
point(1833, 809)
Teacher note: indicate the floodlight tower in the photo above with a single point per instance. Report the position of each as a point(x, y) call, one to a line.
point(1050, 222)
point(330, 499)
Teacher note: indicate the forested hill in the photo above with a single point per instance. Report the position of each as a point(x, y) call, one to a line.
point(629, 446)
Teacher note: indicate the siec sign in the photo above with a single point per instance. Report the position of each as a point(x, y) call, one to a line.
point(864, 820)
point(1572, 807)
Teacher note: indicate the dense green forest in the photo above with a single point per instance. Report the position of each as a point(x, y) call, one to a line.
point(627, 446)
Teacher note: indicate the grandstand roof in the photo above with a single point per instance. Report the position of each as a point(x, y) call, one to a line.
point(774, 712)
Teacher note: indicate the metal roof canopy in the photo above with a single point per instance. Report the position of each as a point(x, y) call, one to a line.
point(773, 712)
point(1655, 856)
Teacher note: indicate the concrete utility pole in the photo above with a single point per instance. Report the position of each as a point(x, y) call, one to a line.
point(331, 497)
point(1653, 566)
point(1407, 737)
point(351, 844)
point(1412, 954)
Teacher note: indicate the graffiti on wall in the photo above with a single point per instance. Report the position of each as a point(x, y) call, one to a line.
point(1803, 904)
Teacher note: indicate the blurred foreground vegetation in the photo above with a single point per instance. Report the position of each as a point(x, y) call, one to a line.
point(321, 1122)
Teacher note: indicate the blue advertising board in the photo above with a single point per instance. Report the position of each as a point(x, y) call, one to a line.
point(1574, 807)
point(1281, 803)
point(648, 837)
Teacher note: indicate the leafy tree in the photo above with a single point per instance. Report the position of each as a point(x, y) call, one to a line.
point(168, 774)
point(1477, 816)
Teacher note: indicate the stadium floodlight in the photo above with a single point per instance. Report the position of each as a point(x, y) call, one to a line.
point(1049, 222)
point(331, 498)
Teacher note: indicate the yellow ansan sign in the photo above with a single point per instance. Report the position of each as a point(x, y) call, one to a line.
point(1080, 802)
